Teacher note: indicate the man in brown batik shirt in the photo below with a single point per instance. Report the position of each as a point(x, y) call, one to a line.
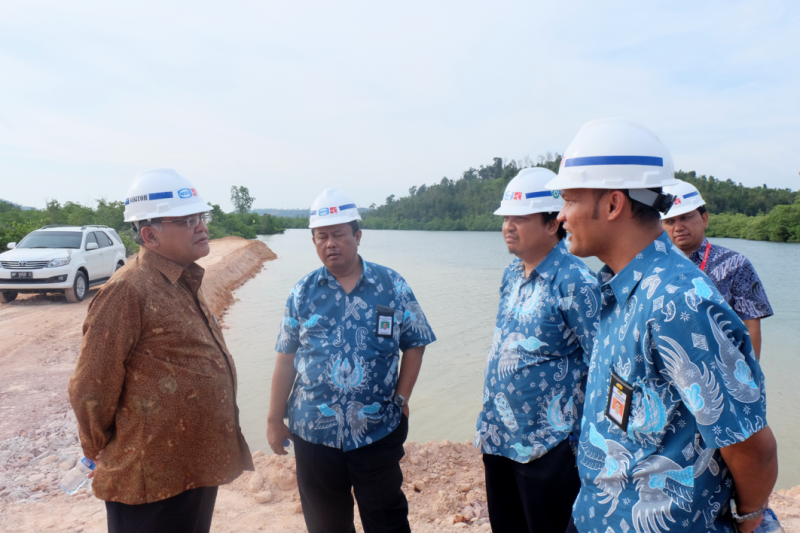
point(154, 390)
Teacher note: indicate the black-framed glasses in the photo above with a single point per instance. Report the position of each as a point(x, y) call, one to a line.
point(192, 220)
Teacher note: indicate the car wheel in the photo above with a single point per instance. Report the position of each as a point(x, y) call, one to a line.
point(119, 265)
point(79, 288)
point(8, 296)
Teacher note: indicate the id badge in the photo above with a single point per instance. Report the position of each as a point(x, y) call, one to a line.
point(384, 323)
point(620, 396)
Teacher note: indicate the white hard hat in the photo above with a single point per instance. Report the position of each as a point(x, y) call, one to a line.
point(687, 198)
point(162, 192)
point(332, 207)
point(614, 153)
point(527, 193)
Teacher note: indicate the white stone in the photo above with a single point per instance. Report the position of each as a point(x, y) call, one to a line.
point(255, 483)
point(263, 497)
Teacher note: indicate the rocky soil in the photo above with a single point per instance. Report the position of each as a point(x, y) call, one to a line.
point(39, 344)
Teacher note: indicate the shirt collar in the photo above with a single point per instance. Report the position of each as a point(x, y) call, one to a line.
point(624, 282)
point(547, 265)
point(170, 269)
point(696, 255)
point(367, 275)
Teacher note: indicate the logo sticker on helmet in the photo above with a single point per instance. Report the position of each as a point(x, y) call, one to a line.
point(508, 195)
point(517, 196)
point(334, 210)
point(185, 193)
point(322, 212)
point(556, 193)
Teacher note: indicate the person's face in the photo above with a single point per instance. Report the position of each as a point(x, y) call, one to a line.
point(179, 242)
point(687, 230)
point(580, 219)
point(525, 234)
point(337, 247)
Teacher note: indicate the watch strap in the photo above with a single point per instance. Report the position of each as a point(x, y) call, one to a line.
point(748, 516)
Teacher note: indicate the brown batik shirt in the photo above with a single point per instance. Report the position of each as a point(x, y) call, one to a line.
point(155, 386)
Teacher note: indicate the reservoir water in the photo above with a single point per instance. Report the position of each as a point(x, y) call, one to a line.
point(456, 276)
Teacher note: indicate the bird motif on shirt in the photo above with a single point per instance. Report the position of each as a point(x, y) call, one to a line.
point(301, 369)
point(732, 365)
point(359, 416)
point(699, 390)
point(560, 420)
point(313, 328)
point(612, 459)
point(414, 319)
point(330, 417)
point(517, 347)
point(345, 377)
point(661, 483)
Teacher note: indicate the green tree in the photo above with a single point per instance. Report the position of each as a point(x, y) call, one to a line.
point(241, 199)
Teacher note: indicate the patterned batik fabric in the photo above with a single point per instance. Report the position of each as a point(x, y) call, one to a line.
point(347, 374)
point(697, 387)
point(736, 280)
point(155, 386)
point(536, 367)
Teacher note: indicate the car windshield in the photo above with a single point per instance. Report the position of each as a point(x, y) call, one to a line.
point(52, 239)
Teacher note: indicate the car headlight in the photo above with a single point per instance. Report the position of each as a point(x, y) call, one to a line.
point(58, 262)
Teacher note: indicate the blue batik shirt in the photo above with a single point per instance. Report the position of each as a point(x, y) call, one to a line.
point(736, 280)
point(536, 367)
point(697, 387)
point(347, 374)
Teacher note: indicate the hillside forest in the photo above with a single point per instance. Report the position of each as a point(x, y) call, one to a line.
point(463, 204)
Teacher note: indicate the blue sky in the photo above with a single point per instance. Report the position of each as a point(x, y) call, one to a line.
point(291, 98)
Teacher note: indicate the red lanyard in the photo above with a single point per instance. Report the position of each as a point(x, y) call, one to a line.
point(705, 257)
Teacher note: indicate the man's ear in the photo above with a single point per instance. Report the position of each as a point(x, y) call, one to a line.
point(358, 237)
point(552, 226)
point(616, 204)
point(149, 236)
point(705, 219)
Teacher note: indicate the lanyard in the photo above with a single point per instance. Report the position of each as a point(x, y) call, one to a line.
point(705, 257)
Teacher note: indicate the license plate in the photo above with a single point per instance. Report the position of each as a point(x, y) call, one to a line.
point(21, 275)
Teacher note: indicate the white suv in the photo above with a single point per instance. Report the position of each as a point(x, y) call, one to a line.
point(60, 259)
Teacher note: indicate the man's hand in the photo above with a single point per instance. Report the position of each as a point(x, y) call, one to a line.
point(90, 475)
point(277, 433)
point(405, 410)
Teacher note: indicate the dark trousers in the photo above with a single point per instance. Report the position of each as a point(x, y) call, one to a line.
point(188, 512)
point(533, 497)
point(571, 528)
point(326, 476)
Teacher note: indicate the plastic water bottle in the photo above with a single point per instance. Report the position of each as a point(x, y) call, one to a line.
point(770, 523)
point(287, 445)
point(76, 477)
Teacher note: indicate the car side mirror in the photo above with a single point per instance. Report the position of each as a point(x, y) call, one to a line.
point(12, 245)
point(92, 246)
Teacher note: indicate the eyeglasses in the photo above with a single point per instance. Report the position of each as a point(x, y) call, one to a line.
point(193, 220)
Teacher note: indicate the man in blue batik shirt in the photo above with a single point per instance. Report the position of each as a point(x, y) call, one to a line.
point(536, 368)
point(339, 356)
point(674, 435)
point(731, 272)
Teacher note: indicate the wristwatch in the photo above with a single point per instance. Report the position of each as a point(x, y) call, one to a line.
point(748, 516)
point(399, 400)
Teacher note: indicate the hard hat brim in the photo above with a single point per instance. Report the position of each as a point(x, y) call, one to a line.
point(333, 221)
point(575, 181)
point(521, 211)
point(182, 211)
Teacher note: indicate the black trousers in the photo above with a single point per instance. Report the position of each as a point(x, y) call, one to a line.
point(188, 512)
point(571, 528)
point(533, 497)
point(326, 476)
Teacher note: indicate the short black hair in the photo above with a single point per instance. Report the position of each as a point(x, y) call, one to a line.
point(547, 217)
point(354, 225)
point(702, 210)
point(645, 214)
